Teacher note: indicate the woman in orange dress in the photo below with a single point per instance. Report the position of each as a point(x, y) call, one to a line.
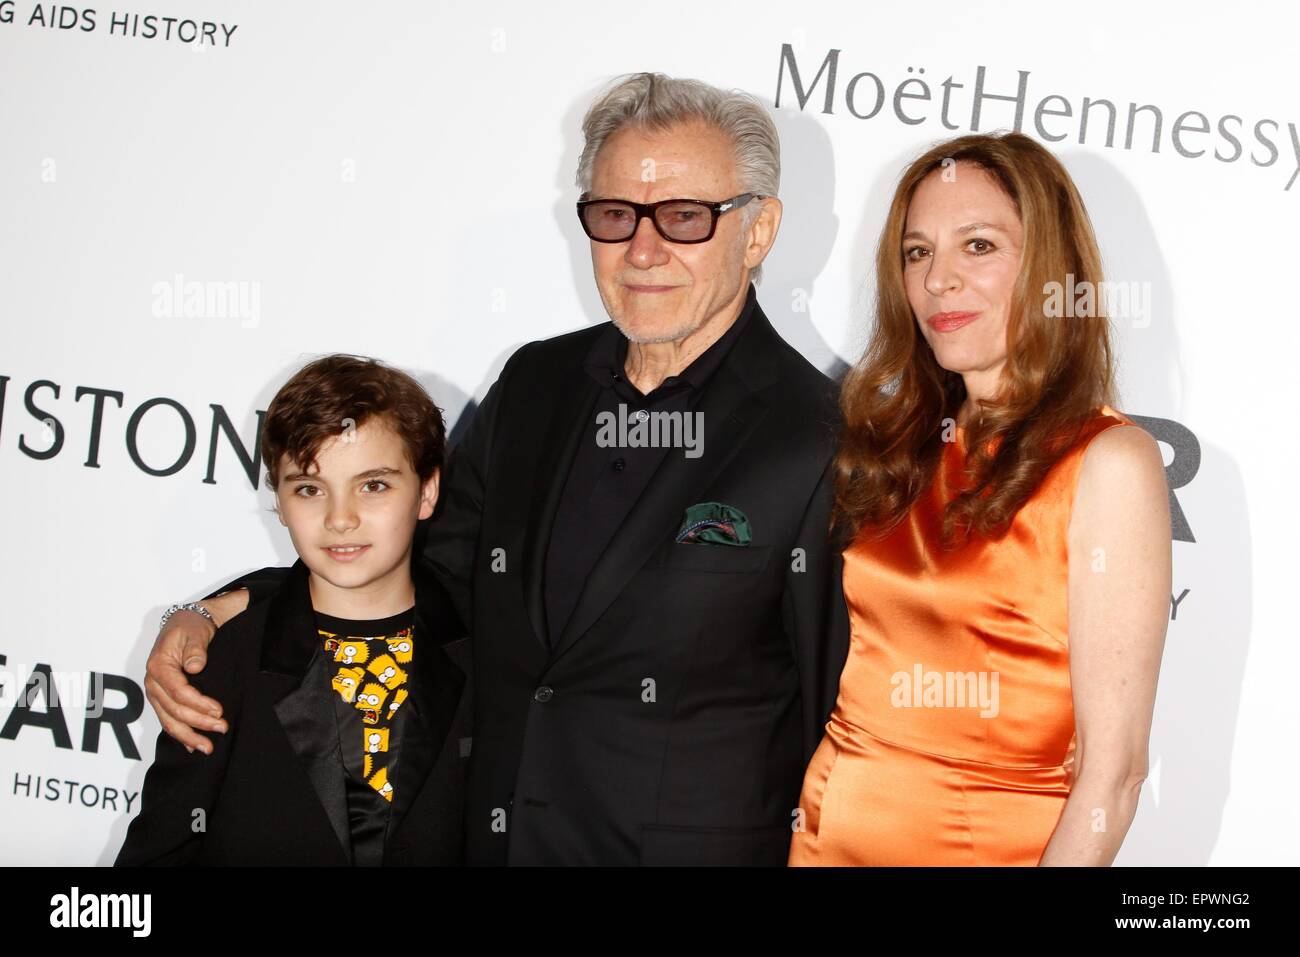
point(1007, 559)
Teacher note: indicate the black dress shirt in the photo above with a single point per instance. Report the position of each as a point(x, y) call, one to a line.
point(604, 483)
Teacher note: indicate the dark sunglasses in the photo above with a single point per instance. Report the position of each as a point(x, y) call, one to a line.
point(676, 220)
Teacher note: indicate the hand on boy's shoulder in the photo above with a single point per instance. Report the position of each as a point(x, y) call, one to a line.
point(250, 589)
point(235, 647)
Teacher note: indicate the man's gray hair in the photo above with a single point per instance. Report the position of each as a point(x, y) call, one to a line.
point(653, 101)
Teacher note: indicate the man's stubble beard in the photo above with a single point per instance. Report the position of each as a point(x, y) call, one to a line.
point(680, 333)
point(673, 336)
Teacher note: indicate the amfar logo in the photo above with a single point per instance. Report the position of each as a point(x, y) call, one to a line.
point(102, 910)
point(45, 700)
point(1180, 471)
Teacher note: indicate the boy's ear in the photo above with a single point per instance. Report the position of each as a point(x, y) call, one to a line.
point(275, 499)
point(429, 495)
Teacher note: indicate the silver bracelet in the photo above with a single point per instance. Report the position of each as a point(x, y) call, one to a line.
point(187, 606)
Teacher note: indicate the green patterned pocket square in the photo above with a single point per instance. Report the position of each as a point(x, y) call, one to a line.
point(715, 524)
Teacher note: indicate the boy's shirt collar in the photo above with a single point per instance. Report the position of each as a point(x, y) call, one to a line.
point(366, 627)
point(290, 642)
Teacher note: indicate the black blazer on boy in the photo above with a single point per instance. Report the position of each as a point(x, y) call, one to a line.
point(273, 790)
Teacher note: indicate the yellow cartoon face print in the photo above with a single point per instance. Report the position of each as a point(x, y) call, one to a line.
point(368, 673)
point(347, 681)
point(396, 703)
point(399, 646)
point(352, 652)
point(379, 781)
point(386, 672)
point(370, 701)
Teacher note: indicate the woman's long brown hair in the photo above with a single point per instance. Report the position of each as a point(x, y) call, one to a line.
point(1059, 369)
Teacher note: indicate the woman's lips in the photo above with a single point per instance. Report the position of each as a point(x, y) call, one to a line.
point(948, 321)
point(347, 553)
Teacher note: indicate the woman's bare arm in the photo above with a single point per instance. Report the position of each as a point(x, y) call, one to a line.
point(1119, 587)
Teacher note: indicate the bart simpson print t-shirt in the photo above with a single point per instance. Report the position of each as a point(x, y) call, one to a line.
point(369, 672)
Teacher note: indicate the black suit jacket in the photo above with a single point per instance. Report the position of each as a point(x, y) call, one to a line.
point(671, 721)
point(272, 791)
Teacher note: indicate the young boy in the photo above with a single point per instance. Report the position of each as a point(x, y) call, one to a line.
point(347, 691)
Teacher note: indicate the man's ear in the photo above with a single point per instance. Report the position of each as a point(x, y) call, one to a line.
point(429, 495)
point(762, 232)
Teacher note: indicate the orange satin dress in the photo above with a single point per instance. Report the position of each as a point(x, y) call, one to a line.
point(952, 735)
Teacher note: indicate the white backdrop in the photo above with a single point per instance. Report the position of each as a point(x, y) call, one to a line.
point(396, 179)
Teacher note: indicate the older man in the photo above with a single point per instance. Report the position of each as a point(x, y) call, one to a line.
point(657, 623)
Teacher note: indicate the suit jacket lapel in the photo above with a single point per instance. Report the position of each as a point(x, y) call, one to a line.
point(731, 410)
point(306, 712)
point(429, 710)
point(571, 419)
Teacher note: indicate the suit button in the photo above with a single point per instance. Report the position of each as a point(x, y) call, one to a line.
point(619, 465)
point(544, 693)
